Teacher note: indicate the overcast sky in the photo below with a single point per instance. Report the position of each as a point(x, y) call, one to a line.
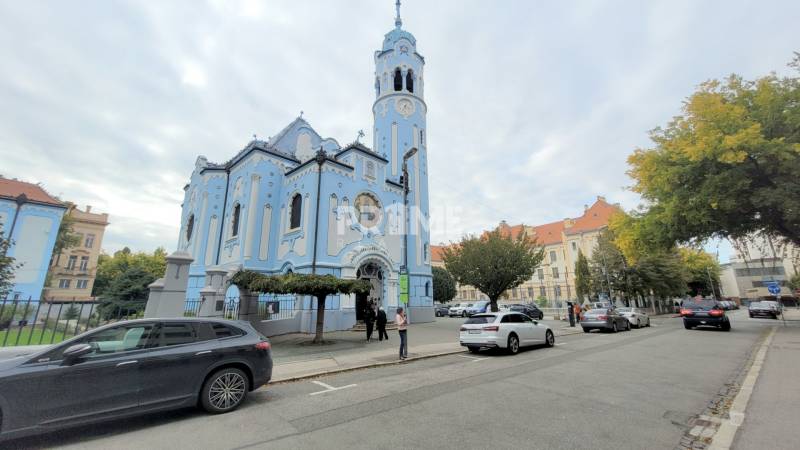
point(533, 105)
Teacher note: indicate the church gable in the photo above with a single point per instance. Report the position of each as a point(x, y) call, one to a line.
point(301, 140)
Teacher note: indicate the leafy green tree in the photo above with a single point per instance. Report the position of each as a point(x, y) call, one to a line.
point(794, 282)
point(126, 294)
point(65, 238)
point(71, 313)
point(728, 166)
point(444, 286)
point(317, 286)
point(607, 266)
point(109, 268)
point(702, 272)
point(494, 262)
point(583, 278)
point(7, 265)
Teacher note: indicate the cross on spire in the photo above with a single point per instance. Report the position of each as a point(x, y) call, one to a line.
point(397, 21)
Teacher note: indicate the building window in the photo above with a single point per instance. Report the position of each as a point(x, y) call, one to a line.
point(530, 292)
point(63, 284)
point(574, 247)
point(427, 289)
point(84, 263)
point(552, 256)
point(421, 137)
point(541, 274)
point(542, 292)
point(377, 86)
point(558, 291)
point(369, 169)
point(426, 254)
point(73, 260)
point(296, 211)
point(89, 241)
point(189, 228)
point(410, 81)
point(555, 272)
point(398, 80)
point(81, 284)
point(237, 211)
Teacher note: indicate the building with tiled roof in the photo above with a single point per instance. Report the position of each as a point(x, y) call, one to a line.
point(562, 240)
point(30, 216)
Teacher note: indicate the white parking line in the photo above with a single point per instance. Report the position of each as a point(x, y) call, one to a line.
point(474, 359)
point(328, 387)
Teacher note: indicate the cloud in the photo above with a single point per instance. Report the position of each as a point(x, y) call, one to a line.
point(533, 106)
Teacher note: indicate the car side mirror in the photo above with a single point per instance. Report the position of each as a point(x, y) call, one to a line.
point(72, 353)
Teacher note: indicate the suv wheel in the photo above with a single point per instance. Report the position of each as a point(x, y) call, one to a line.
point(726, 326)
point(513, 344)
point(224, 391)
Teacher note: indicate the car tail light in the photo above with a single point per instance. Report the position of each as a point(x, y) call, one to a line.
point(602, 317)
point(686, 312)
point(463, 329)
point(491, 328)
point(263, 345)
point(716, 313)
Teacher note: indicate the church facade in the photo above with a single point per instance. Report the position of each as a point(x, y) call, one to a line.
point(300, 202)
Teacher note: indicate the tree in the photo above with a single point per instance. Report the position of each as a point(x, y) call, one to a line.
point(583, 278)
point(444, 286)
point(728, 166)
point(317, 286)
point(71, 313)
point(126, 294)
point(494, 262)
point(109, 268)
point(794, 282)
point(65, 238)
point(702, 271)
point(7, 265)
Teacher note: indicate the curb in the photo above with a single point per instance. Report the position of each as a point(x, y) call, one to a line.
point(365, 366)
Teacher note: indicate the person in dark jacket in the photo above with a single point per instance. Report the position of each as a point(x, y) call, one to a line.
point(381, 323)
point(369, 320)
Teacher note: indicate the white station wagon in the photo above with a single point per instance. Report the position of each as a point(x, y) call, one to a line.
point(507, 330)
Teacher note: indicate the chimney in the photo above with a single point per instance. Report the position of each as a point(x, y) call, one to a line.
point(600, 198)
point(88, 208)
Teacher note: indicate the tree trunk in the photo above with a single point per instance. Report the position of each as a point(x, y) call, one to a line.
point(320, 320)
point(493, 302)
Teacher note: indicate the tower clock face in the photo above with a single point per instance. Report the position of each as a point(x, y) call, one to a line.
point(405, 107)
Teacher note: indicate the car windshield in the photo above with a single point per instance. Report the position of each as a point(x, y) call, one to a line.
point(703, 305)
point(481, 319)
point(756, 304)
point(596, 312)
point(624, 310)
point(481, 304)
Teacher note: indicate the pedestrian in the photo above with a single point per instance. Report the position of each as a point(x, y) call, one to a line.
point(402, 323)
point(369, 320)
point(577, 309)
point(381, 323)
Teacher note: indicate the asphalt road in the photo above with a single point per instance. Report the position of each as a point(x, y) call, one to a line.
point(634, 390)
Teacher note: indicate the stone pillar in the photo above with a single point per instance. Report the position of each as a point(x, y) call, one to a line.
point(168, 295)
point(213, 294)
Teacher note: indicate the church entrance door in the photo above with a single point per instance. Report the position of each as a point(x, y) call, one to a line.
point(374, 274)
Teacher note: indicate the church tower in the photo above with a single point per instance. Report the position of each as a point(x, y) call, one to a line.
point(399, 113)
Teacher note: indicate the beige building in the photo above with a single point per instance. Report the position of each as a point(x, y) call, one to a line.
point(554, 279)
point(757, 262)
point(72, 273)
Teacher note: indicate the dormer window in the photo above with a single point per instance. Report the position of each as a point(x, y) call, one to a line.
point(410, 81)
point(369, 169)
point(398, 80)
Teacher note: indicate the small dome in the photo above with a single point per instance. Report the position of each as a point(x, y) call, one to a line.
point(395, 35)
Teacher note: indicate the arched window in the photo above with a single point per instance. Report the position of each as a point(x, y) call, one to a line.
point(189, 227)
point(427, 289)
point(296, 211)
point(237, 210)
point(377, 86)
point(410, 81)
point(398, 80)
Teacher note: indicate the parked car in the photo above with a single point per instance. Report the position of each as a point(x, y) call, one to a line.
point(762, 309)
point(637, 317)
point(478, 307)
point(506, 330)
point(459, 309)
point(703, 312)
point(604, 319)
point(442, 310)
point(133, 367)
point(531, 311)
point(777, 306)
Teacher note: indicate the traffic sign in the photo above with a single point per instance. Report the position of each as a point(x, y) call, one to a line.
point(773, 287)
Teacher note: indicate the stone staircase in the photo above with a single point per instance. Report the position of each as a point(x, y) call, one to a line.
point(361, 327)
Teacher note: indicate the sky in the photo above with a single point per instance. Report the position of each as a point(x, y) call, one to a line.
point(533, 106)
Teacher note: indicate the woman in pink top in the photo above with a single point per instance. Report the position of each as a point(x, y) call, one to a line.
point(402, 324)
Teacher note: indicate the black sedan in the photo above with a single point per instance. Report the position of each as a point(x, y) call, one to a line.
point(442, 311)
point(761, 309)
point(529, 310)
point(133, 367)
point(702, 312)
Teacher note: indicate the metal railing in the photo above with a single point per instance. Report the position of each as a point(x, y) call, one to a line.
point(40, 322)
point(192, 307)
point(273, 307)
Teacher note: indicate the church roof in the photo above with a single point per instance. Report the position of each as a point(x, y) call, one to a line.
point(359, 147)
point(12, 189)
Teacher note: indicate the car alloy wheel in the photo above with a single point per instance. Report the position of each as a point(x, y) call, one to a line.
point(549, 339)
point(513, 344)
point(463, 314)
point(224, 391)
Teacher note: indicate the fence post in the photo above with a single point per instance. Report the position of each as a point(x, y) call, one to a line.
point(35, 319)
point(55, 328)
point(24, 318)
point(10, 324)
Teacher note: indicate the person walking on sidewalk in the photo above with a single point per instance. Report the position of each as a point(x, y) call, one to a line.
point(369, 320)
point(381, 323)
point(402, 323)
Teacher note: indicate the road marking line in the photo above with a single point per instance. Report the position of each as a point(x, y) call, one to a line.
point(562, 343)
point(474, 359)
point(723, 438)
point(328, 387)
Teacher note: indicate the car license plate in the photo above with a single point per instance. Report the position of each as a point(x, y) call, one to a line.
point(703, 322)
point(474, 331)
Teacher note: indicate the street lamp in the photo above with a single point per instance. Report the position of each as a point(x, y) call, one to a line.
point(411, 152)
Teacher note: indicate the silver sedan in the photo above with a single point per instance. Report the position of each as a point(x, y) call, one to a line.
point(604, 319)
point(637, 317)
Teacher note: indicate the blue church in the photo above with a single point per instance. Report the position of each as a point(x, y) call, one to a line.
point(300, 202)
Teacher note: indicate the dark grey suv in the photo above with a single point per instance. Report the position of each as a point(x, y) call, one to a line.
point(130, 368)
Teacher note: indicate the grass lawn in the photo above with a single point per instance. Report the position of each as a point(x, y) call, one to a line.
point(39, 336)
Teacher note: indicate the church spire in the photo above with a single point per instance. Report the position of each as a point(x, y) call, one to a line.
point(398, 22)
